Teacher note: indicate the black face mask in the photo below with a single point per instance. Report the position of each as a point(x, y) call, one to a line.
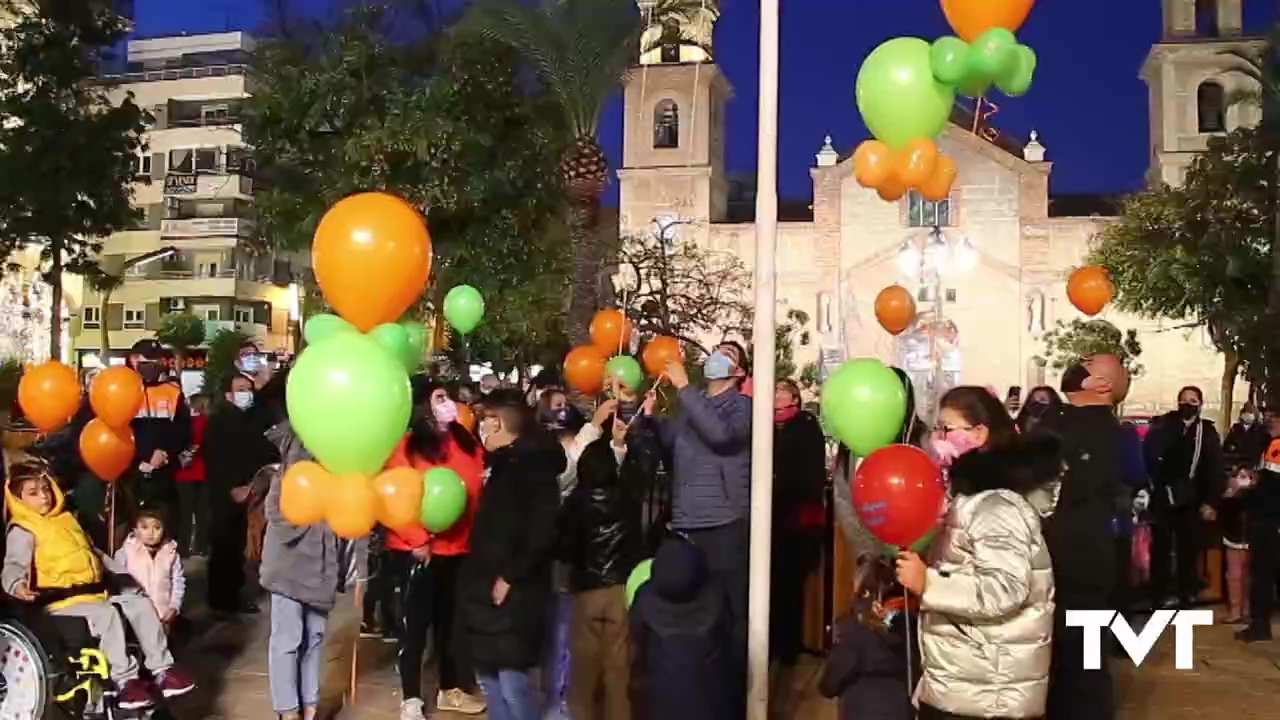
point(1073, 379)
point(150, 373)
point(1038, 407)
point(627, 410)
point(1188, 411)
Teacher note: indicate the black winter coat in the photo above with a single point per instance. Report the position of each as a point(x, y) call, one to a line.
point(867, 670)
point(1170, 450)
point(1244, 444)
point(513, 537)
point(680, 657)
point(601, 536)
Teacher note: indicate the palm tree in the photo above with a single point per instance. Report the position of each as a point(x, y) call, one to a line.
point(581, 52)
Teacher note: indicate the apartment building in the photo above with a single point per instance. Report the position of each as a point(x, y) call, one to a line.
point(195, 188)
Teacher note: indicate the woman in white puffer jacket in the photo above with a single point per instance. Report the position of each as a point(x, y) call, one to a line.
point(986, 596)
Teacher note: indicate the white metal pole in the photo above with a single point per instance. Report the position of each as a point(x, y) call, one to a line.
point(763, 349)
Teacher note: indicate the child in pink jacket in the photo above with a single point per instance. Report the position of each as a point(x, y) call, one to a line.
point(151, 557)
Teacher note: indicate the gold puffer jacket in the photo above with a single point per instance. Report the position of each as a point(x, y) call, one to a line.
point(987, 610)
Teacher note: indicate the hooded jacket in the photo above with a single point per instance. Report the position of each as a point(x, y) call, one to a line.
point(455, 540)
point(513, 537)
point(987, 609)
point(49, 551)
point(307, 563)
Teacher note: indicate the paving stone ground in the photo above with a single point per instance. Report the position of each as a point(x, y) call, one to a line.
point(1230, 681)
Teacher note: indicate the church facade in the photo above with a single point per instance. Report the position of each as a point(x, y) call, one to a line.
point(988, 266)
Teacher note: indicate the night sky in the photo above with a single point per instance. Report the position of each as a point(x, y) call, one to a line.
point(1087, 102)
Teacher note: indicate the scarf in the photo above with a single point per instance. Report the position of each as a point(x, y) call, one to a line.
point(152, 571)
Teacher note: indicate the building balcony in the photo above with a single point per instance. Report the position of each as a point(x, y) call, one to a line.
point(189, 228)
point(207, 185)
point(180, 73)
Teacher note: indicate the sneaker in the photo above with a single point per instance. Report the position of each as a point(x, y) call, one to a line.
point(135, 695)
point(1252, 635)
point(174, 683)
point(459, 701)
point(368, 631)
point(412, 709)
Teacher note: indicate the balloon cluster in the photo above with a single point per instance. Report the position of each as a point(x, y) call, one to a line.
point(898, 492)
point(588, 367)
point(348, 394)
point(906, 89)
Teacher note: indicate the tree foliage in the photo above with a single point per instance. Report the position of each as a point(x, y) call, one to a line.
point(1069, 342)
point(1201, 253)
point(66, 148)
point(220, 363)
point(181, 332)
point(680, 289)
point(371, 102)
point(789, 334)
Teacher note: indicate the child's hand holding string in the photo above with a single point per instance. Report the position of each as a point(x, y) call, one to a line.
point(911, 571)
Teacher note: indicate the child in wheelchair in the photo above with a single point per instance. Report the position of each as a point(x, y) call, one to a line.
point(50, 562)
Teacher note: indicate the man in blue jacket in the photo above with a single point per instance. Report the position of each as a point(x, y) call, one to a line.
point(709, 444)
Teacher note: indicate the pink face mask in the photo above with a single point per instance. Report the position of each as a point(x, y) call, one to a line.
point(947, 446)
point(445, 413)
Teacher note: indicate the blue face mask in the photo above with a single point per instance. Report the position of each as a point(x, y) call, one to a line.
point(718, 366)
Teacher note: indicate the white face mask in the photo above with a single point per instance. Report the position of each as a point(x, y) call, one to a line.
point(242, 399)
point(1247, 418)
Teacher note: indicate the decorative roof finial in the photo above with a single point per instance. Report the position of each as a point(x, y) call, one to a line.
point(1033, 151)
point(827, 156)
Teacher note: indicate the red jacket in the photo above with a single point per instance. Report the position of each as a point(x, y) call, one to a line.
point(455, 540)
point(195, 471)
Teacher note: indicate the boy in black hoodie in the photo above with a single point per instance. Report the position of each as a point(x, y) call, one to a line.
point(680, 632)
point(505, 582)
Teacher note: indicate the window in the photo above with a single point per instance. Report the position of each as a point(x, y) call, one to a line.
point(1211, 107)
point(206, 159)
point(670, 42)
point(951, 295)
point(182, 160)
point(1207, 18)
point(243, 314)
point(141, 165)
point(923, 294)
point(666, 125)
point(134, 319)
point(207, 270)
point(90, 317)
point(209, 313)
point(215, 114)
point(927, 213)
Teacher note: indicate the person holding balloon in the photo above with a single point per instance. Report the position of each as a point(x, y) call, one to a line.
point(161, 428)
point(504, 586)
point(426, 564)
point(987, 591)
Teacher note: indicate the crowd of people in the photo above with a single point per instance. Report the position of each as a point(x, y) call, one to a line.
point(524, 604)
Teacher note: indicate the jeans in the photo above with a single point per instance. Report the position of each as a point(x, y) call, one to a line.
point(510, 695)
point(293, 654)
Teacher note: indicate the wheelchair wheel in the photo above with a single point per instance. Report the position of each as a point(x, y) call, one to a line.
point(25, 675)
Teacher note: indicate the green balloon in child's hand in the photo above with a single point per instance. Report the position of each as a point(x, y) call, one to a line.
point(626, 370)
point(463, 308)
point(444, 499)
point(639, 576)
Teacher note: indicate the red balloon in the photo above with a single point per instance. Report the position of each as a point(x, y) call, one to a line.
point(899, 494)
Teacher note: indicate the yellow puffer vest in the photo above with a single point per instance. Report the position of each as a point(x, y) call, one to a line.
point(63, 556)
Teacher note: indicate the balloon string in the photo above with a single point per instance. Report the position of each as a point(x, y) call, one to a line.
point(906, 613)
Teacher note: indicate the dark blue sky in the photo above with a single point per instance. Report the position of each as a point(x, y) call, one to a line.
point(1087, 101)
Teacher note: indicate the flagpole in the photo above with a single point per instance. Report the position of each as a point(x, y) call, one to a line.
point(763, 341)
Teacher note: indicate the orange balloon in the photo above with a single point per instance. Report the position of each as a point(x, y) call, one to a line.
point(372, 257)
point(895, 309)
point(661, 352)
point(1089, 288)
point(610, 331)
point(351, 509)
point(872, 163)
point(892, 189)
point(399, 493)
point(971, 18)
point(303, 490)
point(917, 162)
point(106, 450)
point(584, 369)
point(49, 394)
point(938, 186)
point(116, 395)
point(466, 417)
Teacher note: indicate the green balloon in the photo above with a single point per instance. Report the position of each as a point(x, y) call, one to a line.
point(639, 576)
point(349, 402)
point(973, 89)
point(394, 338)
point(898, 96)
point(1017, 80)
point(324, 326)
point(947, 59)
point(864, 404)
point(463, 308)
point(993, 54)
point(417, 333)
point(626, 370)
point(444, 499)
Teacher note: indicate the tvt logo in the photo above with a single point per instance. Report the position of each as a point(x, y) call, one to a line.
point(1138, 645)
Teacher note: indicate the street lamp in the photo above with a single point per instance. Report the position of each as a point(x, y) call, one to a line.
point(107, 282)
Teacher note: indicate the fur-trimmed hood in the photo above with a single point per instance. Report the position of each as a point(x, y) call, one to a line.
point(1028, 464)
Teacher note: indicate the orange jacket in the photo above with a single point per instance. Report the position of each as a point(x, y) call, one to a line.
point(455, 540)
